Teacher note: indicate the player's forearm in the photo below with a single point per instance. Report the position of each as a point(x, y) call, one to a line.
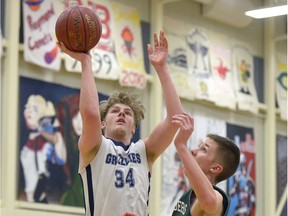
point(89, 109)
point(89, 102)
point(162, 135)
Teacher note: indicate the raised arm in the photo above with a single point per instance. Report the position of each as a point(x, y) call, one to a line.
point(208, 199)
point(91, 135)
point(163, 134)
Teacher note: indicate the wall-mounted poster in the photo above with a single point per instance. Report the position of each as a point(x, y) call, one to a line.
point(126, 26)
point(241, 186)
point(243, 73)
point(50, 125)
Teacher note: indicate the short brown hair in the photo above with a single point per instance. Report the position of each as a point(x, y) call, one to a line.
point(228, 155)
point(130, 99)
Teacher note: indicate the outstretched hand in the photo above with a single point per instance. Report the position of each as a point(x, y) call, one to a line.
point(185, 122)
point(80, 56)
point(159, 55)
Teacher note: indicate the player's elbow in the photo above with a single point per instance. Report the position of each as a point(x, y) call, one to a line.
point(173, 128)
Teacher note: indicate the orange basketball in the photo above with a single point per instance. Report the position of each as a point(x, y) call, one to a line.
point(79, 28)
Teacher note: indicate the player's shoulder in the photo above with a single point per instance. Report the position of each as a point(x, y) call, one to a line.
point(225, 201)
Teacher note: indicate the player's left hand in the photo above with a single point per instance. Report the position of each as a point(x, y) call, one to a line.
point(159, 55)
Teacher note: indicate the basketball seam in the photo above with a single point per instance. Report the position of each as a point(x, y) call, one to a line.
point(66, 28)
point(99, 29)
point(84, 26)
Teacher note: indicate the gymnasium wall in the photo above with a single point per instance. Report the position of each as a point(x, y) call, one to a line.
point(187, 11)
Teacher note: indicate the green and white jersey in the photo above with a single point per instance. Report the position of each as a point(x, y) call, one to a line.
point(183, 206)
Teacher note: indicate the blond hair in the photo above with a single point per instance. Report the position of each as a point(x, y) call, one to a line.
point(130, 99)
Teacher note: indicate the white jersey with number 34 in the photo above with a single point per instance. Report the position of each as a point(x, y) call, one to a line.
point(117, 180)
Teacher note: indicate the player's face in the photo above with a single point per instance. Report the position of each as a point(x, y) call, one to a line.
point(120, 120)
point(204, 154)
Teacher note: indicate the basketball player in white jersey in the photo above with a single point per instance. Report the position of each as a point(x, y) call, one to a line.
point(115, 172)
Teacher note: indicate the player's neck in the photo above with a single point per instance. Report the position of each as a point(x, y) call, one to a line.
point(123, 139)
point(211, 178)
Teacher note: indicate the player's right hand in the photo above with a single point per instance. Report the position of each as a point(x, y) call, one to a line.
point(80, 56)
point(185, 122)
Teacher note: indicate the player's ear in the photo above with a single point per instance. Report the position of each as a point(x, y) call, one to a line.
point(103, 124)
point(216, 168)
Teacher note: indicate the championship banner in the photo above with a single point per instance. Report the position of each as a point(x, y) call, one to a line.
point(221, 67)
point(198, 63)
point(241, 186)
point(128, 45)
point(281, 86)
point(243, 69)
point(174, 180)
point(177, 59)
point(104, 62)
point(39, 18)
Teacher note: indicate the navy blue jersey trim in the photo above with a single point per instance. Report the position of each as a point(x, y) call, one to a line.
point(149, 178)
point(125, 147)
point(90, 189)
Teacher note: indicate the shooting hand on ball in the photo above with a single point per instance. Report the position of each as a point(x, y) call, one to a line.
point(80, 56)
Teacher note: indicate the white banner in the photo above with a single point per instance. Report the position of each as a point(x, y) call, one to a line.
point(221, 66)
point(188, 60)
point(198, 63)
point(243, 73)
point(177, 59)
point(178, 68)
point(128, 45)
point(39, 34)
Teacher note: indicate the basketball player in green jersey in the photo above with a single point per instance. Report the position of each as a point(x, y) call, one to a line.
point(213, 161)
